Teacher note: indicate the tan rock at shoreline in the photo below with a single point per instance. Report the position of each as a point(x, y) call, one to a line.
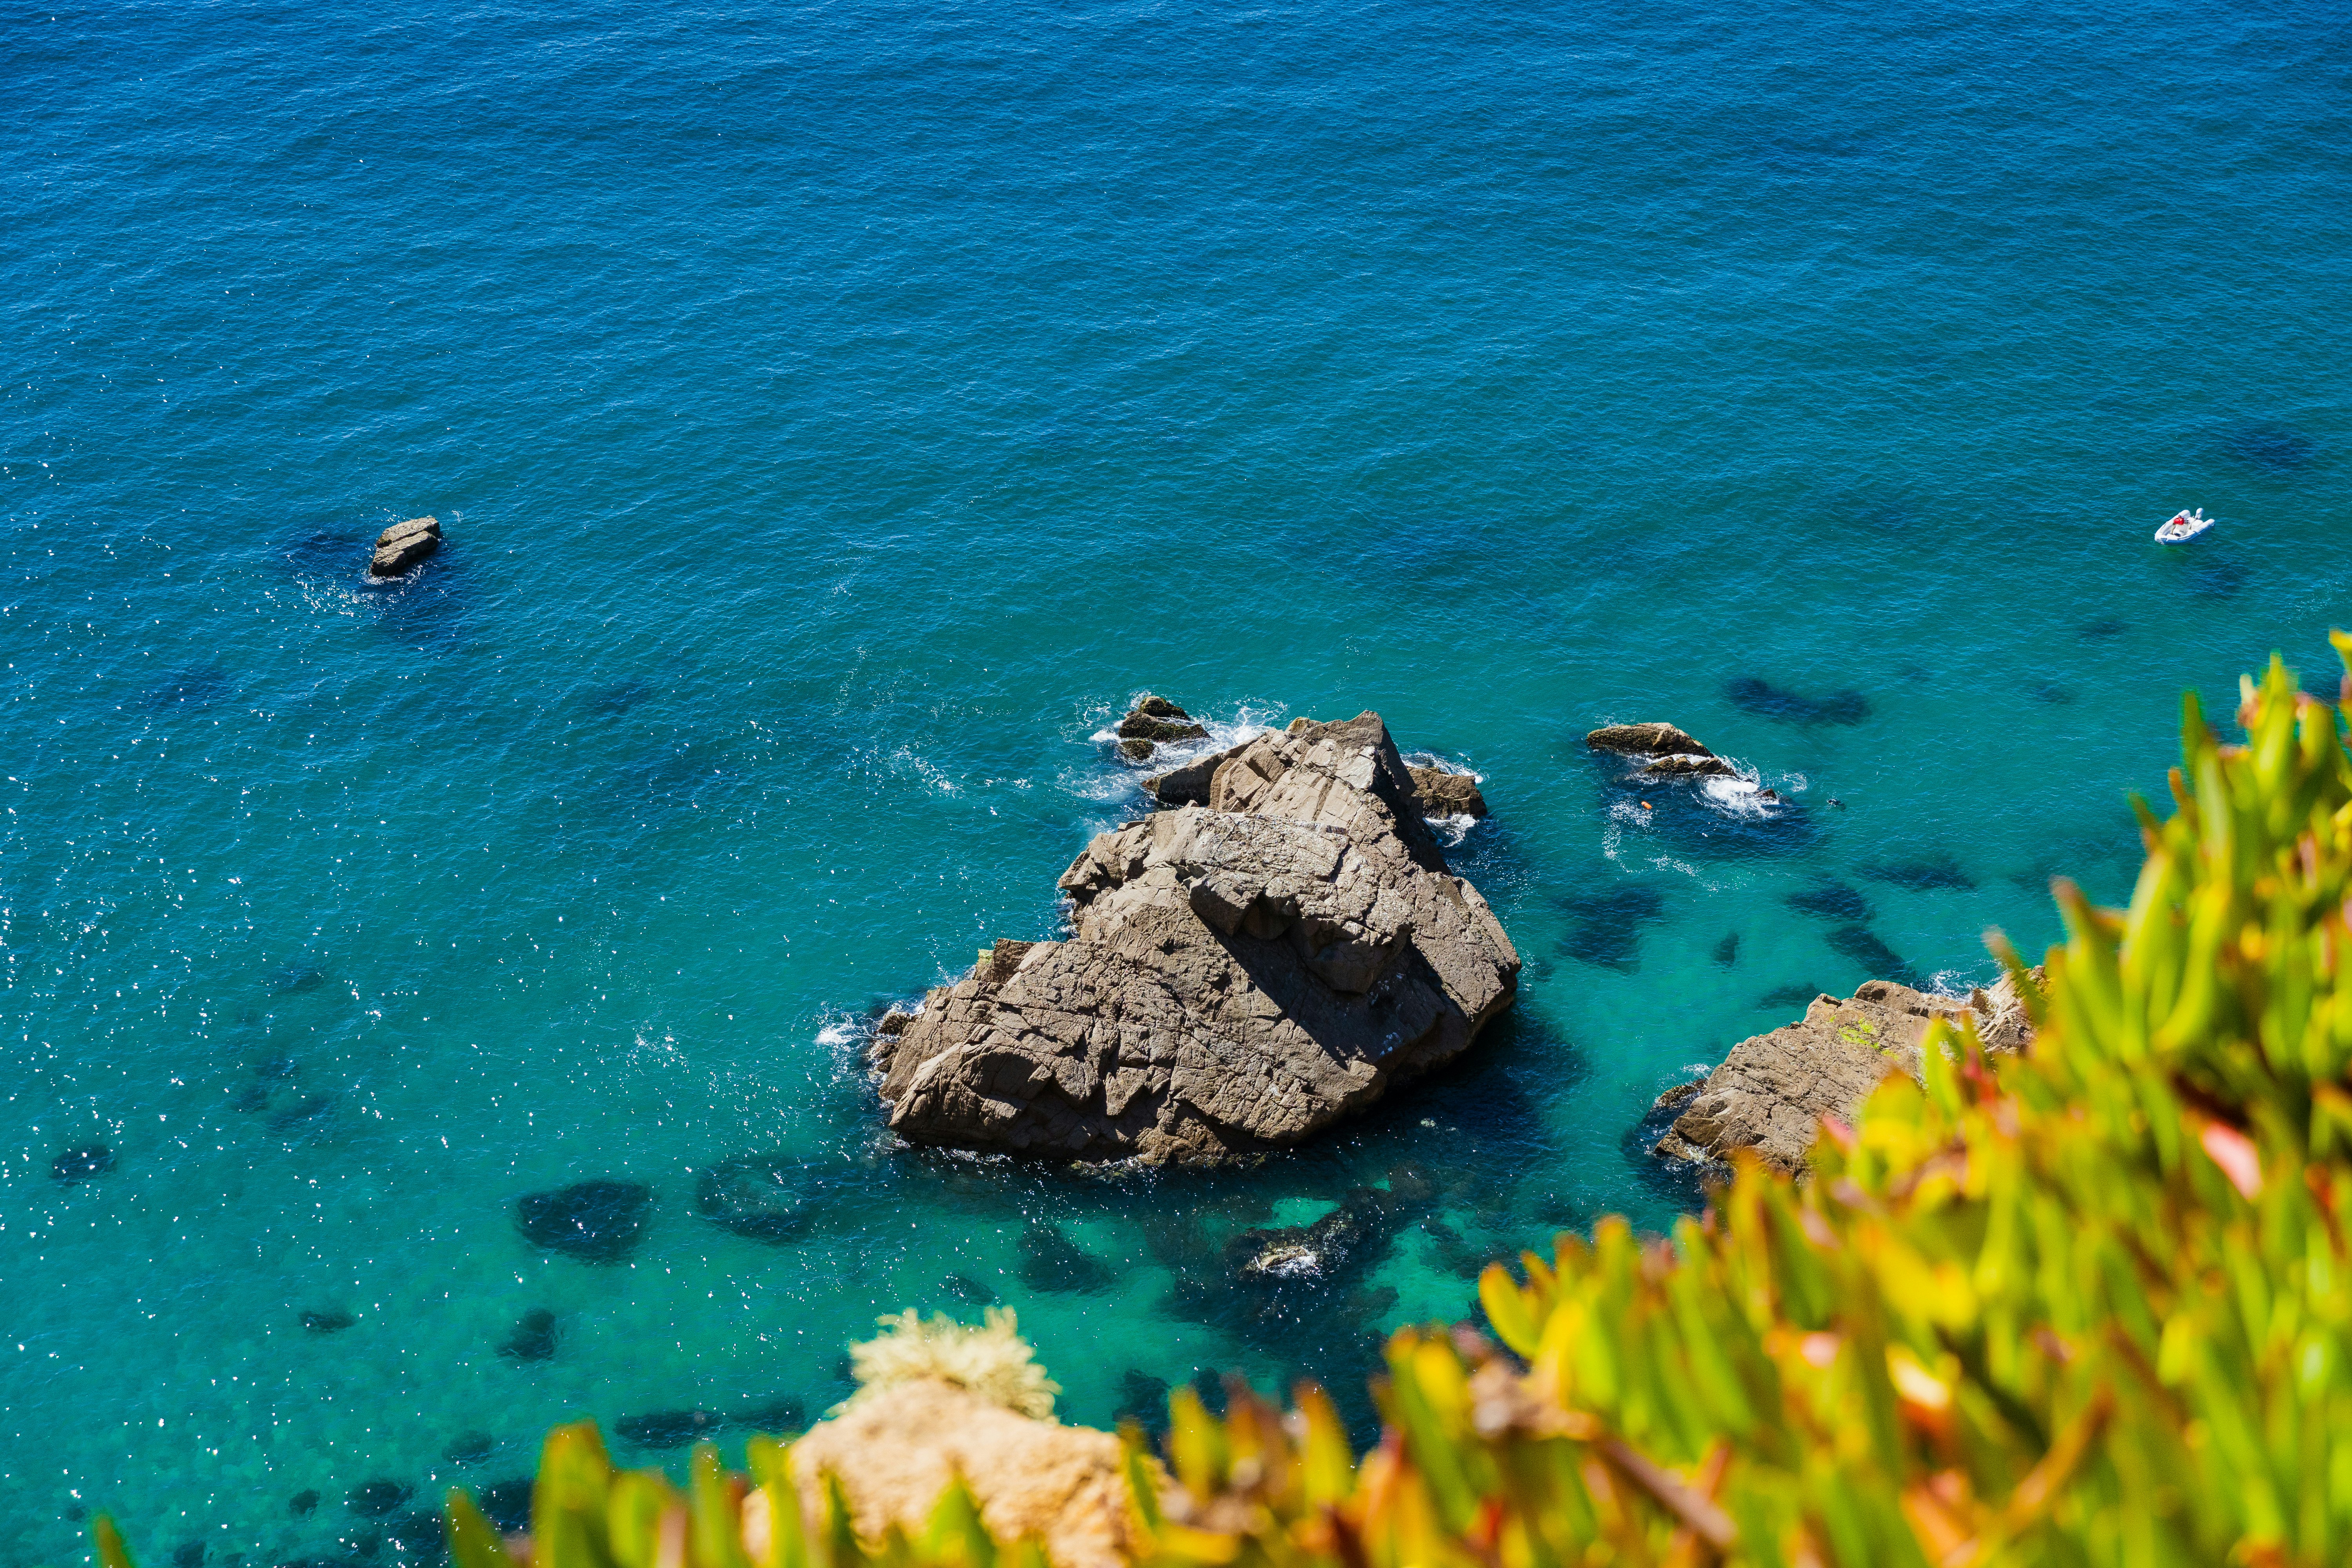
point(896, 1449)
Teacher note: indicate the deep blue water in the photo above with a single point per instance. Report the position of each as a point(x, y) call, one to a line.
point(837, 414)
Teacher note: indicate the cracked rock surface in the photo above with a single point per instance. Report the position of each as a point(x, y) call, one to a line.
point(1771, 1092)
point(1239, 973)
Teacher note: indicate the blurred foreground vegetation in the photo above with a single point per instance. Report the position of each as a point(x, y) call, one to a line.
point(2091, 1305)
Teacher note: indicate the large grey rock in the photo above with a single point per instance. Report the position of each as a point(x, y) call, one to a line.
point(404, 544)
point(1771, 1092)
point(1239, 975)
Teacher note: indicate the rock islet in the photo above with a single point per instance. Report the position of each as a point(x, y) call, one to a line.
point(402, 546)
point(1239, 973)
point(1154, 721)
point(1660, 749)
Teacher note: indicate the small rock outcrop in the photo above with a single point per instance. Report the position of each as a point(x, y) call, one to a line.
point(1188, 784)
point(1443, 793)
point(403, 545)
point(1660, 749)
point(896, 1449)
point(1152, 721)
point(1238, 974)
point(1645, 740)
point(1771, 1092)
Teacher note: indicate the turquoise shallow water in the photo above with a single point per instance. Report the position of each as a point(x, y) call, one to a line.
point(837, 414)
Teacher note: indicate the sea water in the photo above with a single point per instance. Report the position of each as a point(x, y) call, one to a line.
point(837, 413)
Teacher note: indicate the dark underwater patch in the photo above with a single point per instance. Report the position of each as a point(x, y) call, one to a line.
point(1938, 875)
point(533, 1338)
point(1142, 1399)
point(1050, 1260)
point(470, 1448)
point(596, 1222)
point(668, 1428)
point(2098, 630)
point(75, 1166)
point(1862, 945)
point(306, 1116)
point(2218, 577)
point(1752, 695)
point(293, 979)
point(506, 1504)
point(965, 1288)
point(1784, 998)
point(332, 1322)
point(760, 1197)
point(1830, 901)
point(2270, 448)
point(374, 1500)
point(194, 686)
point(617, 698)
point(1726, 952)
point(1606, 924)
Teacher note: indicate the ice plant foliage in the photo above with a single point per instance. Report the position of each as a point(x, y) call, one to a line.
point(2091, 1305)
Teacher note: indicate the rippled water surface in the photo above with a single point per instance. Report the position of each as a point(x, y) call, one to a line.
point(837, 413)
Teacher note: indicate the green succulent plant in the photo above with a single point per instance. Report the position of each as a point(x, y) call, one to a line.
point(2086, 1305)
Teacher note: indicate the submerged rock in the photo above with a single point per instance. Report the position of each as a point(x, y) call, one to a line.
point(506, 1504)
point(1444, 794)
point(302, 1504)
point(305, 1115)
point(1050, 1260)
point(1237, 977)
point(964, 1288)
point(373, 1500)
point(533, 1338)
point(403, 545)
point(328, 1322)
point(471, 1448)
point(668, 1428)
point(75, 1166)
point(1771, 1092)
point(760, 1196)
point(1755, 695)
point(597, 1222)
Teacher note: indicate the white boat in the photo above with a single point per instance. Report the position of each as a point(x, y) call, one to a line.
point(2184, 527)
